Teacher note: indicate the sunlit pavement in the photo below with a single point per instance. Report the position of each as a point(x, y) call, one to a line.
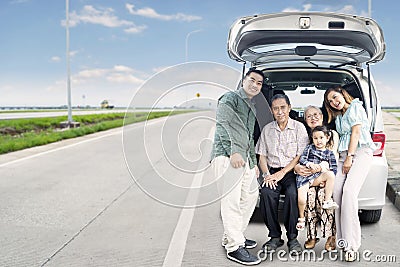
point(392, 148)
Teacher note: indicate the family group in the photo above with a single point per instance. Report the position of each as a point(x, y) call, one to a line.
point(319, 170)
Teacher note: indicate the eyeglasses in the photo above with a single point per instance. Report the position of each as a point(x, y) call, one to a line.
point(315, 115)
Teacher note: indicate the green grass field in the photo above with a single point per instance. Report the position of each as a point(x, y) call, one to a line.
point(18, 134)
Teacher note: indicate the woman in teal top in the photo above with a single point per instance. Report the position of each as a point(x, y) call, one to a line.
point(356, 151)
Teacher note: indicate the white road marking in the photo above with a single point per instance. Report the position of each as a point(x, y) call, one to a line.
point(177, 245)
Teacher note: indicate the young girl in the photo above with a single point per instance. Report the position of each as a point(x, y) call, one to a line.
point(356, 154)
point(316, 156)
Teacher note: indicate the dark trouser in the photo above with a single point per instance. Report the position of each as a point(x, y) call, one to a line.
point(269, 201)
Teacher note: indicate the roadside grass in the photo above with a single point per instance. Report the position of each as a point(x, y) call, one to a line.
point(18, 134)
point(115, 110)
point(391, 110)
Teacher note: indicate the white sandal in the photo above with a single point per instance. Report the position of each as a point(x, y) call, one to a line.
point(350, 255)
point(329, 205)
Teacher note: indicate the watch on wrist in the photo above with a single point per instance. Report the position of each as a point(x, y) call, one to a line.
point(350, 155)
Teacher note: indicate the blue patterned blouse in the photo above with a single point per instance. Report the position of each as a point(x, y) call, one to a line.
point(354, 115)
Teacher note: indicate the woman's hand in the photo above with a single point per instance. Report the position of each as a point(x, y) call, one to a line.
point(347, 164)
point(314, 167)
point(302, 170)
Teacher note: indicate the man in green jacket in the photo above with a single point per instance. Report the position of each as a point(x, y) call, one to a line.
point(234, 163)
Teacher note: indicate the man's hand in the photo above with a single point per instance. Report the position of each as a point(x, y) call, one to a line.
point(272, 180)
point(257, 171)
point(237, 160)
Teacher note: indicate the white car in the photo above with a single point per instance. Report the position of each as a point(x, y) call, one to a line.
point(304, 53)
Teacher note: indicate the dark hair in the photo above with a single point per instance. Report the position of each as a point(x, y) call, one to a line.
point(259, 72)
point(332, 112)
point(326, 131)
point(278, 96)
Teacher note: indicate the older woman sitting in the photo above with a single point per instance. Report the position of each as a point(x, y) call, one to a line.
point(314, 212)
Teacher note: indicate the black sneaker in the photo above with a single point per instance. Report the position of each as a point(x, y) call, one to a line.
point(272, 244)
point(250, 243)
point(294, 246)
point(247, 244)
point(241, 255)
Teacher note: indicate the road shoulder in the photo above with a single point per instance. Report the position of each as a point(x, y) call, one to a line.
point(392, 129)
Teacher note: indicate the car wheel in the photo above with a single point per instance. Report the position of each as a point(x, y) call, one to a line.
point(370, 216)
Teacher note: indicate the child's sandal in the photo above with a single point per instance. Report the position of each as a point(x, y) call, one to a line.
point(350, 256)
point(301, 224)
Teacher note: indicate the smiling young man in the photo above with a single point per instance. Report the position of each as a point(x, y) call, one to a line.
point(234, 164)
point(280, 145)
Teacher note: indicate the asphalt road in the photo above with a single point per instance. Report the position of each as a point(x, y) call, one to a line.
point(115, 199)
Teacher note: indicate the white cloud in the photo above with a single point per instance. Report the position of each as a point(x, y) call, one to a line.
point(306, 7)
point(161, 68)
point(89, 74)
point(291, 9)
point(347, 9)
point(122, 68)
point(117, 84)
point(119, 74)
point(123, 78)
point(135, 29)
point(102, 16)
point(151, 13)
point(73, 53)
point(55, 59)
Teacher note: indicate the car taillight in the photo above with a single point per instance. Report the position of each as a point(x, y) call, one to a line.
point(379, 141)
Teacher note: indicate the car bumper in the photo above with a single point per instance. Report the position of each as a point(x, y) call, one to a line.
point(373, 192)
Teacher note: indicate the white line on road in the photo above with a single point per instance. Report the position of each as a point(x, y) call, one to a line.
point(177, 245)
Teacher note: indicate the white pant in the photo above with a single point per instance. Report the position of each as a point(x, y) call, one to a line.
point(239, 191)
point(345, 193)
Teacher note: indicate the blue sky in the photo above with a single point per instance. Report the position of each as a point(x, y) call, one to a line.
point(116, 45)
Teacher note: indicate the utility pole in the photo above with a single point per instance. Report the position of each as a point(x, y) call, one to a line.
point(67, 59)
point(69, 123)
point(370, 8)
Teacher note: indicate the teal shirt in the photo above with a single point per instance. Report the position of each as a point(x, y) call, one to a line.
point(235, 126)
point(354, 115)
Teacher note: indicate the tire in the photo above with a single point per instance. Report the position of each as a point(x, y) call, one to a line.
point(370, 216)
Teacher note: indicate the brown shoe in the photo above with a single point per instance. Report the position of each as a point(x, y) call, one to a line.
point(330, 243)
point(310, 243)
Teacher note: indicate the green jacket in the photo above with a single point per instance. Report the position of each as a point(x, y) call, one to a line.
point(235, 126)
